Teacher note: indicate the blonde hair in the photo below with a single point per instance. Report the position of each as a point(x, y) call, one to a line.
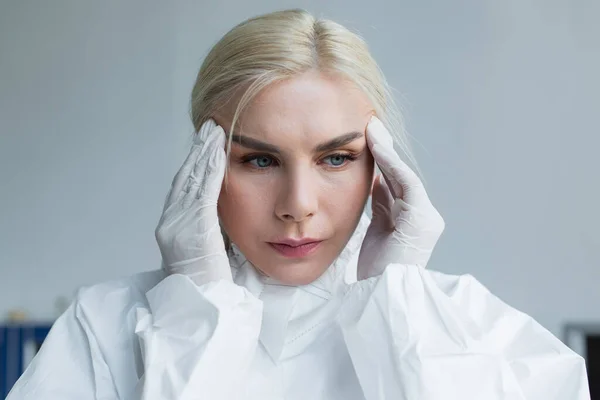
point(276, 46)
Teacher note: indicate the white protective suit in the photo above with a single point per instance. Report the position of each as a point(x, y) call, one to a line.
point(211, 327)
point(407, 334)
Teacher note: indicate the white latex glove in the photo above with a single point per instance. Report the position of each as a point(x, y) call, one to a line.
point(405, 225)
point(188, 233)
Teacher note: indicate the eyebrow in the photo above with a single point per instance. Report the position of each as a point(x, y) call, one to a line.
point(332, 144)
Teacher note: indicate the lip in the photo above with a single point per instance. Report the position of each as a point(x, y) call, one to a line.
point(295, 242)
point(293, 248)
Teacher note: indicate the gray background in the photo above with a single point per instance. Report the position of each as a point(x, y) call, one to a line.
point(501, 97)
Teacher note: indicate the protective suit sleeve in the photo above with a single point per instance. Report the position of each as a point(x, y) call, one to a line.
point(418, 334)
point(69, 365)
point(196, 341)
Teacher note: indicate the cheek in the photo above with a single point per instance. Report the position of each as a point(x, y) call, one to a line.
point(242, 202)
point(346, 197)
point(353, 185)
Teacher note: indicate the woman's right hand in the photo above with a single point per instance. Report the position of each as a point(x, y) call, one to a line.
point(188, 233)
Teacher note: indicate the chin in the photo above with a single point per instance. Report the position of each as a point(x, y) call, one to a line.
point(293, 272)
point(296, 275)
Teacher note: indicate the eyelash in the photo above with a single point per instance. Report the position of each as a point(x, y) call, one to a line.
point(248, 159)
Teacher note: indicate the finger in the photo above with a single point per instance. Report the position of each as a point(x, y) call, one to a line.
point(182, 176)
point(379, 136)
point(377, 133)
point(381, 204)
point(206, 179)
point(382, 195)
point(401, 179)
point(215, 169)
point(204, 142)
point(205, 167)
point(205, 132)
point(396, 191)
point(181, 181)
point(188, 195)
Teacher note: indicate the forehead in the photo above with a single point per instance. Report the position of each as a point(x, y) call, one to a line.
point(310, 107)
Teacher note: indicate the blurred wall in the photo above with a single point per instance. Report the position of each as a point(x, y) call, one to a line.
point(501, 98)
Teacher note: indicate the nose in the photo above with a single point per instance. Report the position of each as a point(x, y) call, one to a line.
point(298, 199)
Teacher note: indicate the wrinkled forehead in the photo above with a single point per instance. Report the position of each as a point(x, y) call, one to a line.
point(308, 108)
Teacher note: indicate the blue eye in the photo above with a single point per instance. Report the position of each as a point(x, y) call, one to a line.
point(264, 162)
point(338, 160)
point(260, 161)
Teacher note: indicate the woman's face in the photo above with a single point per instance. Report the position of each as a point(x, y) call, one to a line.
point(300, 170)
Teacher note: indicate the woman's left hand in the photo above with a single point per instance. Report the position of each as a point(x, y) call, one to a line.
point(405, 225)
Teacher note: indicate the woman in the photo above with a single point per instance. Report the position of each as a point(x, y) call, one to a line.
point(275, 284)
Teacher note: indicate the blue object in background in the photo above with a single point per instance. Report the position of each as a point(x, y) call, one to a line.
point(18, 343)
